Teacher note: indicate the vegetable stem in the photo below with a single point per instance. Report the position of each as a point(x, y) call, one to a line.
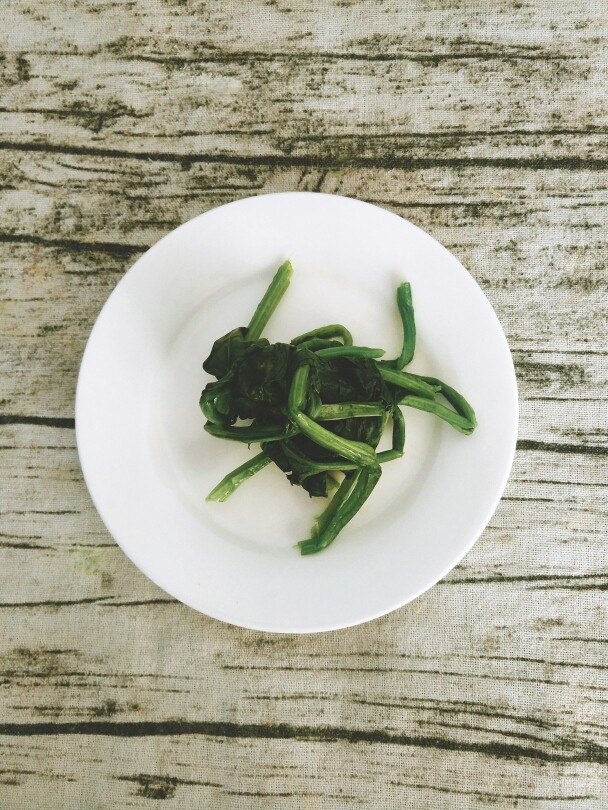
point(406, 313)
point(214, 401)
point(334, 330)
point(238, 476)
point(457, 421)
point(314, 344)
point(298, 390)
point(313, 466)
point(314, 403)
point(270, 300)
point(398, 430)
point(365, 482)
point(251, 434)
point(207, 406)
point(410, 382)
point(388, 455)
point(361, 454)
point(456, 400)
point(396, 450)
point(331, 510)
point(350, 351)
point(347, 410)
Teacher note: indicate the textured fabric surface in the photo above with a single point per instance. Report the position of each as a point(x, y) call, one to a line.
point(485, 124)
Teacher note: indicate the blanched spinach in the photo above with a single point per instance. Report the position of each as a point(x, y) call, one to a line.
point(318, 407)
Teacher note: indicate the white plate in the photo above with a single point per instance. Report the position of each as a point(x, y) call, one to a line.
point(149, 464)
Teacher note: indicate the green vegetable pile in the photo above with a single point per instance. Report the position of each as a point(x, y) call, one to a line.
point(318, 407)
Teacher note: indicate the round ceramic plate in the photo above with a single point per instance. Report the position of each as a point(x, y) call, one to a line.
point(149, 464)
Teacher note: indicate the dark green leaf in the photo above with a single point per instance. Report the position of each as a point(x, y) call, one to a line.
point(228, 349)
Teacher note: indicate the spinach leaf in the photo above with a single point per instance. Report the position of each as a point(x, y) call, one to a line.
point(228, 349)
